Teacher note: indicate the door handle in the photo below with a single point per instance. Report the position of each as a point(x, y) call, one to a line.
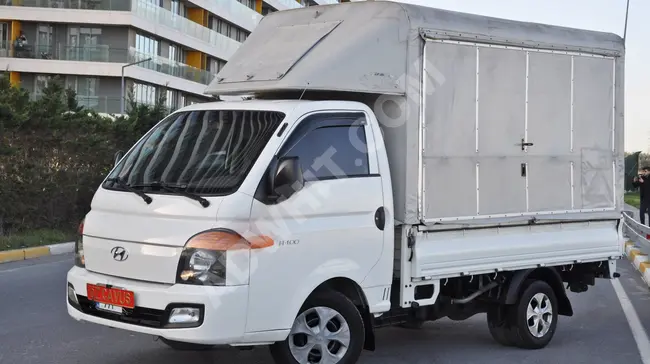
point(525, 144)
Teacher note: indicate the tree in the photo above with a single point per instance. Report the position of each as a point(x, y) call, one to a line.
point(54, 153)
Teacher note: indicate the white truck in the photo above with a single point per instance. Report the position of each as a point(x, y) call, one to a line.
point(393, 165)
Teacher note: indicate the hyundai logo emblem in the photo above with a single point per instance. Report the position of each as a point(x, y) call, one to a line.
point(120, 254)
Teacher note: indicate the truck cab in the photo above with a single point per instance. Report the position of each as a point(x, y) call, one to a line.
point(222, 220)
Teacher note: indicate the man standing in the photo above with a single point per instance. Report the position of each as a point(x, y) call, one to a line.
point(643, 182)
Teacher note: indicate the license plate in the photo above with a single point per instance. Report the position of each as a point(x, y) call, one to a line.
point(109, 308)
point(111, 296)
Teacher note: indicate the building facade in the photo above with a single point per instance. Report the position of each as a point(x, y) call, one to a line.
point(180, 45)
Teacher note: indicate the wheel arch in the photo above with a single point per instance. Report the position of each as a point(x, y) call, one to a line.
point(353, 291)
point(546, 274)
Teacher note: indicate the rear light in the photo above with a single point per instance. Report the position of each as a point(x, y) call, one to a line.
point(203, 260)
point(79, 259)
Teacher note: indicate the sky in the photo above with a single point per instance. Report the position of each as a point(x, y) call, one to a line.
point(601, 15)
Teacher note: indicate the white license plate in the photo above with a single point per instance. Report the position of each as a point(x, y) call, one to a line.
point(109, 308)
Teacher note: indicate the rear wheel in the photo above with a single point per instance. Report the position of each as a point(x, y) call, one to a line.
point(183, 346)
point(536, 316)
point(328, 330)
point(531, 322)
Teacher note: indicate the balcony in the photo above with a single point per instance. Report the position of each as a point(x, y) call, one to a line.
point(115, 5)
point(104, 53)
point(233, 11)
point(172, 68)
point(284, 4)
point(100, 104)
point(224, 45)
point(138, 13)
point(95, 53)
point(327, 2)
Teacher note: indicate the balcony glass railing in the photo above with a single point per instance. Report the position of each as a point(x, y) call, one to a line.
point(117, 5)
point(287, 4)
point(103, 53)
point(153, 13)
point(90, 53)
point(156, 14)
point(234, 12)
point(169, 67)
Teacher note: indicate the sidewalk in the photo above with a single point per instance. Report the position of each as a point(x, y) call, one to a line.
point(7, 256)
point(637, 248)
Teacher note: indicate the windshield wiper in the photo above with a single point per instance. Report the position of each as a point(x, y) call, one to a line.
point(129, 188)
point(181, 191)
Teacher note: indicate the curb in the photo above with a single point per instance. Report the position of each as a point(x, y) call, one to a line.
point(36, 252)
point(639, 260)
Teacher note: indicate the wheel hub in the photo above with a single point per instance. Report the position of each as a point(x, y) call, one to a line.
point(539, 315)
point(320, 335)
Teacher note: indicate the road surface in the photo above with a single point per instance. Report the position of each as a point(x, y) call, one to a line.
point(35, 328)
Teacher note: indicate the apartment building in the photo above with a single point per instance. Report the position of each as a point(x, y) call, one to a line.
point(158, 47)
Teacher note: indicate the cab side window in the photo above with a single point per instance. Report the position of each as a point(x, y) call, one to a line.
point(330, 147)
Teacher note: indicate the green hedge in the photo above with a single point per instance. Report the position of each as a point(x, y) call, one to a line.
point(54, 154)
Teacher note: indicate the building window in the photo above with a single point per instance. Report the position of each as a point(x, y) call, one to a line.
point(86, 89)
point(228, 29)
point(171, 100)
point(176, 53)
point(144, 94)
point(83, 36)
point(44, 39)
point(266, 9)
point(40, 83)
point(216, 65)
point(249, 3)
point(176, 7)
point(242, 36)
point(82, 85)
point(147, 45)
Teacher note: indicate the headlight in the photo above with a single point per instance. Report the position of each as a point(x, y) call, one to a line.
point(204, 258)
point(79, 259)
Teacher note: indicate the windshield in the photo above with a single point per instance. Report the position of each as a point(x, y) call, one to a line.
point(207, 152)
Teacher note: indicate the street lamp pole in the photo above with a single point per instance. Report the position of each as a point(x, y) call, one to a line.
point(627, 12)
point(123, 86)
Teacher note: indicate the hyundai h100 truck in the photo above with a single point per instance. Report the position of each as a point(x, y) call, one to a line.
point(386, 164)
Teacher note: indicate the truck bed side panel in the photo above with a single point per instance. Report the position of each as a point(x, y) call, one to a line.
point(465, 252)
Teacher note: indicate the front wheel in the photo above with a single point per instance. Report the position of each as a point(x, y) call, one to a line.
point(328, 330)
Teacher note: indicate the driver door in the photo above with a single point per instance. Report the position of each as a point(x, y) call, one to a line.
point(326, 229)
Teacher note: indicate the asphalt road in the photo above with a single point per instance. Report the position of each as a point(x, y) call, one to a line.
point(35, 328)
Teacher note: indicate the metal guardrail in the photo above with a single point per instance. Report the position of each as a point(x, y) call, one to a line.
point(635, 230)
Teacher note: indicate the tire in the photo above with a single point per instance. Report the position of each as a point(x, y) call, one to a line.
point(499, 325)
point(341, 312)
point(183, 346)
point(537, 294)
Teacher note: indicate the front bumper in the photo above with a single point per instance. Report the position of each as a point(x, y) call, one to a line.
point(223, 309)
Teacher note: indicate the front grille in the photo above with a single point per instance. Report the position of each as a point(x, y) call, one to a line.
point(140, 316)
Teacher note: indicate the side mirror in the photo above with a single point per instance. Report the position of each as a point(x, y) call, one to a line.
point(287, 178)
point(118, 156)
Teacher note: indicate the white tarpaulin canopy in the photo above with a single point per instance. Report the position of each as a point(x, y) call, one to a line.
point(483, 118)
